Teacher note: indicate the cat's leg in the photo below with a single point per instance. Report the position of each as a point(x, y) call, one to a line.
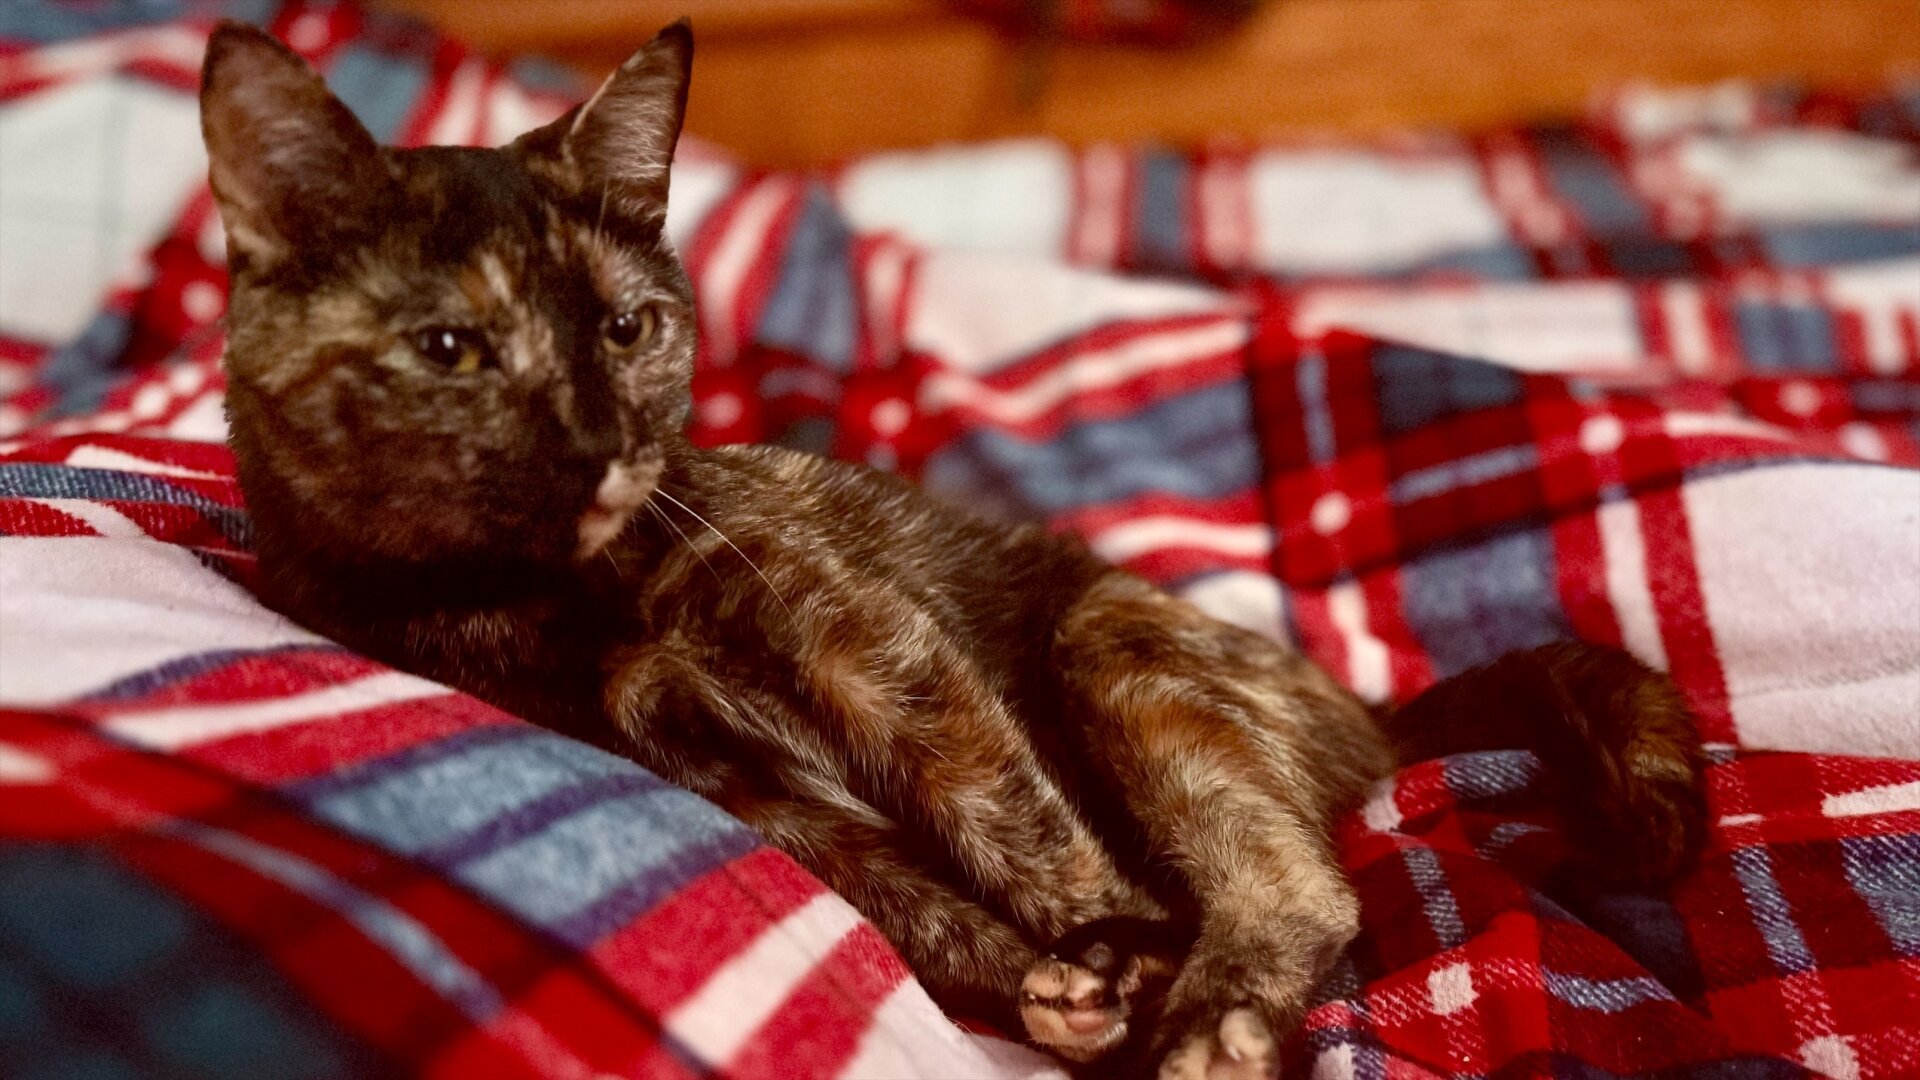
point(971, 960)
point(927, 735)
point(1234, 754)
point(949, 842)
point(1008, 830)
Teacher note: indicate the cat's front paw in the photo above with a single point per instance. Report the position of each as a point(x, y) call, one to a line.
point(1083, 999)
point(1074, 1011)
point(1238, 1044)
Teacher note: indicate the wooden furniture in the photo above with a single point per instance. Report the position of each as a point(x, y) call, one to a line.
point(786, 82)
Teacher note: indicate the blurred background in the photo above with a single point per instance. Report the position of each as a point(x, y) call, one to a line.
point(802, 82)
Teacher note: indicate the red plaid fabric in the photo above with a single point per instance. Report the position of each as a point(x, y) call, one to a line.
point(1646, 379)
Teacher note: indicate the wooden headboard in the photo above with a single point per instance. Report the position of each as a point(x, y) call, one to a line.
point(786, 82)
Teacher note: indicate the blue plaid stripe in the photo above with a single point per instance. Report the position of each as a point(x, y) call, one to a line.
point(380, 87)
point(597, 869)
point(1772, 915)
point(193, 666)
point(1590, 182)
point(470, 783)
point(1885, 872)
point(47, 21)
point(567, 836)
point(1199, 445)
point(1415, 386)
point(1469, 605)
point(1832, 243)
point(137, 983)
point(815, 308)
point(1316, 420)
point(33, 480)
point(402, 936)
point(1463, 472)
point(1786, 336)
point(1606, 995)
point(1162, 233)
point(1436, 896)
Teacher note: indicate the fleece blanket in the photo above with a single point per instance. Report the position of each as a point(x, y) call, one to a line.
point(1650, 377)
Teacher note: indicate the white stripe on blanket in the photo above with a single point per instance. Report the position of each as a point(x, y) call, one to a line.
point(82, 612)
point(189, 725)
point(725, 1012)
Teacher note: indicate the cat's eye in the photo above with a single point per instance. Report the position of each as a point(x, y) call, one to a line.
point(457, 349)
point(630, 329)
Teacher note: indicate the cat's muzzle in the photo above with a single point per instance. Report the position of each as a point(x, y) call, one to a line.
point(622, 492)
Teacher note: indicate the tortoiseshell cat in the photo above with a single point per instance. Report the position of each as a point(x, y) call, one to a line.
point(1077, 805)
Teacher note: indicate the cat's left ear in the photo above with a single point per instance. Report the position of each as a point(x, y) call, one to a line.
point(619, 144)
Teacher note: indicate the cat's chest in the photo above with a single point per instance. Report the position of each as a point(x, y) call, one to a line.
point(536, 660)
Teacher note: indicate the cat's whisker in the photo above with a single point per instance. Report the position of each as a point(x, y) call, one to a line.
point(684, 538)
point(662, 492)
point(657, 515)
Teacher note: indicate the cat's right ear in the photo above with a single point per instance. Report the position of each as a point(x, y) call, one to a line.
point(288, 162)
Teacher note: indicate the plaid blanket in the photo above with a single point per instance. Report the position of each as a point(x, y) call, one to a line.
point(1649, 378)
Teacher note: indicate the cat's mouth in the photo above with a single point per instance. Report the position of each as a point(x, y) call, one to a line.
point(622, 492)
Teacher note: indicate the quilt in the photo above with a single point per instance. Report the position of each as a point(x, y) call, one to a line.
point(1648, 377)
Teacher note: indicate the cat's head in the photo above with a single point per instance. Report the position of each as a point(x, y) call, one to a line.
point(448, 352)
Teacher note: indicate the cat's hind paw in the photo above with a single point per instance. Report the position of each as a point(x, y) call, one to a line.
point(1239, 1046)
